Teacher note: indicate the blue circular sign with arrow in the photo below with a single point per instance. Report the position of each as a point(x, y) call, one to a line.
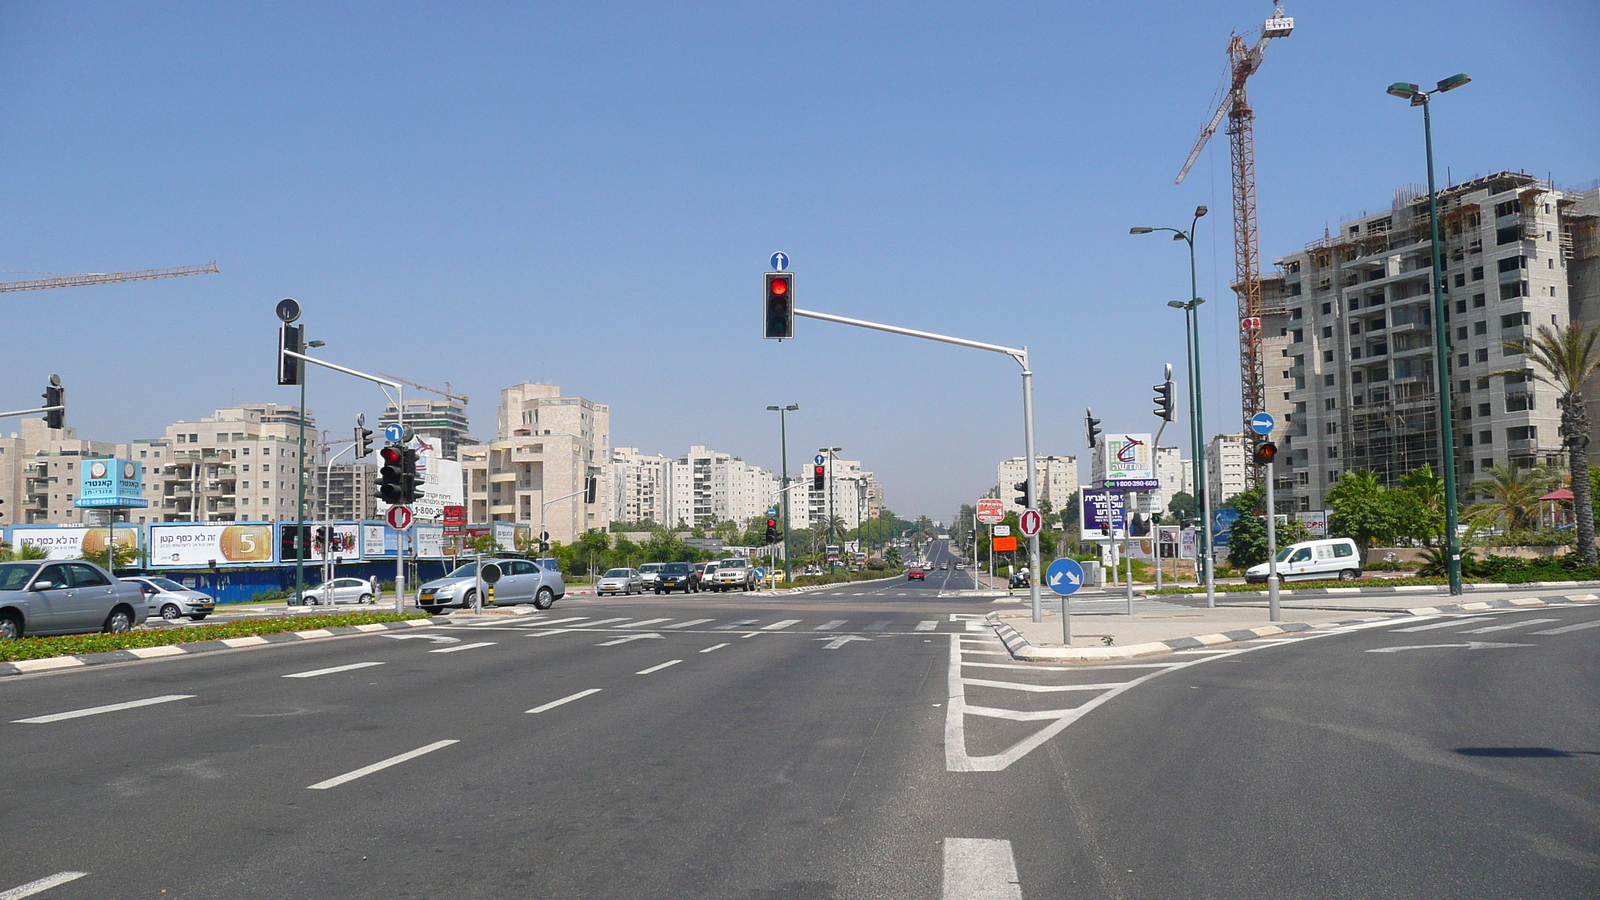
point(1064, 576)
point(1262, 423)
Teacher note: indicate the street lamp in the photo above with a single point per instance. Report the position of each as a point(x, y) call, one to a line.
point(783, 438)
point(831, 451)
point(1419, 97)
point(300, 507)
point(1197, 427)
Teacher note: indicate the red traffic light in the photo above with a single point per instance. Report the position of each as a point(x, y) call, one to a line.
point(780, 286)
point(391, 455)
point(1266, 452)
point(772, 523)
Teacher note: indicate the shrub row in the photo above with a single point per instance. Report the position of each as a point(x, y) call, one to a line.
point(76, 644)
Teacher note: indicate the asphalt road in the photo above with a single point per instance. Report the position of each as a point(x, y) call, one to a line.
point(868, 741)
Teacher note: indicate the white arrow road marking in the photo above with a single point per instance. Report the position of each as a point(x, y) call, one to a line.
point(1566, 628)
point(841, 640)
point(379, 766)
point(631, 637)
point(464, 647)
point(568, 699)
point(315, 672)
point(977, 869)
point(1470, 645)
point(96, 710)
point(43, 884)
point(436, 638)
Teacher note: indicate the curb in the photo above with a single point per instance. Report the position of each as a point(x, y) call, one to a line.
point(28, 666)
point(1401, 589)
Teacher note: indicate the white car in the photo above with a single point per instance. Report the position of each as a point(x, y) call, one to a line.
point(620, 581)
point(171, 600)
point(340, 590)
point(651, 573)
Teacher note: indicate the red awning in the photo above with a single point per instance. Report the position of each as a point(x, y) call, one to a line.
point(1561, 494)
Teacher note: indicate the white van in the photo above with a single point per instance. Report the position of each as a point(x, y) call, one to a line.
point(1317, 560)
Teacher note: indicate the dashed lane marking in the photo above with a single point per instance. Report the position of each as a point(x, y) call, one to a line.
point(545, 623)
point(740, 623)
point(1508, 626)
point(670, 662)
point(315, 672)
point(1448, 623)
point(829, 626)
point(600, 622)
point(691, 622)
point(976, 869)
point(715, 647)
point(97, 710)
point(567, 699)
point(464, 647)
point(645, 623)
point(379, 766)
point(779, 626)
point(1566, 628)
point(43, 884)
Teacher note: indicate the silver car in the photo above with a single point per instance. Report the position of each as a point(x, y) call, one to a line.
point(68, 597)
point(171, 600)
point(339, 590)
point(521, 581)
point(651, 573)
point(620, 581)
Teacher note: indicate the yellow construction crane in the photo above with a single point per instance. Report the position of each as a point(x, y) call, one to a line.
point(1243, 61)
point(107, 278)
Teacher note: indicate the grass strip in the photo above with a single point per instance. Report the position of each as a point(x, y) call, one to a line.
point(78, 644)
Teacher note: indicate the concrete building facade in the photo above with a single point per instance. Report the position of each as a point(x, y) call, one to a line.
point(441, 423)
point(1226, 458)
point(1058, 480)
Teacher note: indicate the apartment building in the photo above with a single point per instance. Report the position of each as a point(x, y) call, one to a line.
point(39, 474)
point(636, 487)
point(440, 423)
point(1058, 480)
point(351, 491)
point(534, 471)
point(240, 465)
point(1176, 475)
point(1226, 458)
point(706, 487)
point(852, 494)
point(1350, 333)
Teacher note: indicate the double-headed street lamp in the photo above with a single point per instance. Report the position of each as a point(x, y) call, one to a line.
point(783, 438)
point(832, 457)
point(1447, 441)
point(1197, 427)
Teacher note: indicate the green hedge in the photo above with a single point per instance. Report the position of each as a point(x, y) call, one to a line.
point(77, 644)
point(1312, 585)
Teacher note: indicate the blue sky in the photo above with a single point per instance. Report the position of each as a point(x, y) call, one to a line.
point(587, 194)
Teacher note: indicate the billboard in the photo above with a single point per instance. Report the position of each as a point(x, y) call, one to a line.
point(1100, 508)
point(1124, 458)
point(1222, 526)
point(441, 483)
point(71, 541)
point(110, 482)
point(340, 541)
point(512, 535)
point(175, 545)
point(1315, 522)
point(378, 541)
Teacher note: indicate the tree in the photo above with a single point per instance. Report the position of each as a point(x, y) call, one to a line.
point(1247, 544)
point(1513, 497)
point(1565, 358)
point(1069, 512)
point(28, 551)
point(1419, 505)
point(1362, 509)
point(1183, 507)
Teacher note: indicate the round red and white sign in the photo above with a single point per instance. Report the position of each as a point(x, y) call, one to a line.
point(991, 511)
point(1031, 522)
point(399, 517)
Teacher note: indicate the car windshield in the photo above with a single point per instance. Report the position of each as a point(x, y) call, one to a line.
point(617, 573)
point(732, 563)
point(466, 571)
point(650, 567)
point(677, 569)
point(166, 584)
point(14, 575)
point(1283, 555)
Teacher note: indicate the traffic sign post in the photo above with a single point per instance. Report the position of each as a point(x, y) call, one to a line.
point(1262, 424)
point(1065, 577)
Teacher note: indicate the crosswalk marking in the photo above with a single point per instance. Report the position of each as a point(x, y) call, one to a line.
point(779, 626)
point(977, 869)
point(463, 647)
point(691, 622)
point(1508, 626)
point(927, 624)
point(1566, 628)
point(605, 622)
point(880, 625)
point(740, 623)
point(1448, 623)
point(829, 626)
point(645, 623)
point(547, 622)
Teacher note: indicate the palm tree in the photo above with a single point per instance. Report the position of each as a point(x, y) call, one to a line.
point(1513, 496)
point(1567, 358)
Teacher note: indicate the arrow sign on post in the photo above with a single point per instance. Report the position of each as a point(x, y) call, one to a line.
point(1064, 576)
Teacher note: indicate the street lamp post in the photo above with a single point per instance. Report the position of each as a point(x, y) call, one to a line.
point(1197, 427)
point(832, 457)
point(300, 506)
point(783, 443)
point(1419, 97)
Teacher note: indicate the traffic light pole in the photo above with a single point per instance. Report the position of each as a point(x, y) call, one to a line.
point(1021, 356)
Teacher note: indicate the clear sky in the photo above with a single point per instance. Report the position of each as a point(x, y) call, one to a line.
point(588, 193)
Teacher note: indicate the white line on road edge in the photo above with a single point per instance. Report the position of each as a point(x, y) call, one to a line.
point(670, 662)
point(96, 710)
point(315, 672)
point(43, 884)
point(379, 766)
point(714, 647)
point(1566, 628)
point(555, 703)
point(464, 647)
point(1523, 623)
point(976, 869)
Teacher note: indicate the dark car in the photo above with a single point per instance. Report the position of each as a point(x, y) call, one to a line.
point(678, 576)
point(916, 574)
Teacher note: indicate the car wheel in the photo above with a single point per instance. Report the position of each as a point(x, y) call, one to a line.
point(119, 622)
point(198, 616)
point(469, 598)
point(171, 613)
point(10, 628)
point(366, 598)
point(545, 599)
point(1347, 575)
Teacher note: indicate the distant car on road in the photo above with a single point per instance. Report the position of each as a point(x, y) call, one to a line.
point(68, 597)
point(677, 576)
point(171, 600)
point(521, 581)
point(734, 575)
point(916, 574)
point(339, 590)
point(650, 572)
point(619, 581)
point(1313, 560)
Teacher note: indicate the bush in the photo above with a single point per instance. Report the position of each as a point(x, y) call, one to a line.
point(271, 596)
point(76, 644)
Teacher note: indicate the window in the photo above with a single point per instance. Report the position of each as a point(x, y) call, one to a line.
point(1461, 361)
point(1483, 410)
point(1379, 373)
point(1519, 402)
point(1485, 438)
point(1461, 279)
point(1373, 324)
point(1299, 360)
point(1483, 383)
point(1513, 289)
point(1461, 306)
point(1295, 313)
point(1507, 235)
point(1523, 433)
point(1483, 354)
point(1355, 352)
point(1327, 381)
point(1327, 331)
point(1466, 386)
point(1299, 336)
point(1466, 440)
point(1512, 264)
point(1327, 309)
point(1461, 333)
point(1477, 273)
point(1378, 349)
point(1343, 550)
point(1477, 301)
point(1480, 327)
point(1355, 327)
point(1355, 302)
point(1327, 356)
point(1355, 376)
point(1330, 403)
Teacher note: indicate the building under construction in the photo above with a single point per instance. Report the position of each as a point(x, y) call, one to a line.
point(1348, 328)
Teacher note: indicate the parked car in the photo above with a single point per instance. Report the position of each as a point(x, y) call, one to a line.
point(521, 581)
point(1309, 560)
point(677, 576)
point(339, 590)
point(171, 600)
point(618, 581)
point(916, 574)
point(650, 572)
point(734, 575)
point(702, 574)
point(68, 597)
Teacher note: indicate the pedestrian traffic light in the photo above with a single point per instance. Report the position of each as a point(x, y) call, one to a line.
point(1024, 499)
point(1165, 408)
point(410, 483)
point(780, 305)
point(544, 546)
point(591, 489)
point(772, 530)
point(1266, 452)
point(363, 442)
point(390, 474)
point(817, 473)
point(55, 395)
point(291, 338)
point(1094, 427)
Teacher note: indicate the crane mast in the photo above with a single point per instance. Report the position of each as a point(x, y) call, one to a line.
point(63, 281)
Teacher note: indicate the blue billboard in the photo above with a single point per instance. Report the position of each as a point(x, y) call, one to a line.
point(110, 482)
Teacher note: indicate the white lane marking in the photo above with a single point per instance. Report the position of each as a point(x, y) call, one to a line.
point(315, 672)
point(597, 623)
point(976, 869)
point(43, 884)
point(464, 647)
point(748, 634)
point(553, 631)
point(96, 710)
point(1448, 623)
point(1470, 645)
point(555, 703)
point(779, 626)
point(927, 625)
point(740, 623)
point(542, 623)
point(841, 640)
point(1508, 626)
point(691, 622)
point(880, 625)
point(829, 626)
point(379, 766)
point(1039, 688)
point(1566, 628)
point(632, 637)
point(645, 623)
point(432, 638)
point(715, 647)
point(670, 662)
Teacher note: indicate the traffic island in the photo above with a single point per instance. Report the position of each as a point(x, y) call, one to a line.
point(1149, 633)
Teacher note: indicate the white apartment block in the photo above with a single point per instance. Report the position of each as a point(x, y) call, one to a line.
point(350, 491)
point(546, 446)
point(855, 496)
point(1226, 458)
point(240, 465)
point(1350, 333)
point(1058, 480)
point(637, 487)
point(1176, 475)
point(39, 474)
point(706, 487)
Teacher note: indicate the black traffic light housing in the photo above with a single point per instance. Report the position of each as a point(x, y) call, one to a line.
point(55, 395)
point(772, 530)
point(1093, 428)
point(1266, 452)
point(1166, 409)
point(779, 309)
point(817, 474)
point(591, 489)
point(363, 442)
point(389, 475)
point(290, 369)
point(410, 484)
point(1023, 498)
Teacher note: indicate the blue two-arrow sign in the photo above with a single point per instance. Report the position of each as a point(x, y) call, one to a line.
point(1064, 576)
